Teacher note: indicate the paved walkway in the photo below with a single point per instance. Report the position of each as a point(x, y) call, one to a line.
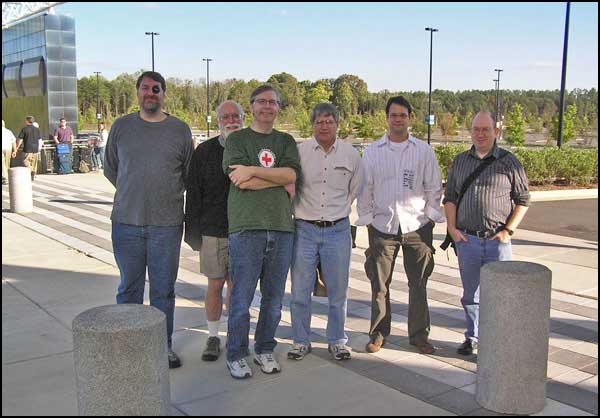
point(57, 262)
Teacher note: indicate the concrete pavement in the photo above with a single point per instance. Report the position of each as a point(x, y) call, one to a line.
point(58, 262)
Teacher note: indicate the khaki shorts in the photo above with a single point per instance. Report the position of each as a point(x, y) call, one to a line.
point(214, 257)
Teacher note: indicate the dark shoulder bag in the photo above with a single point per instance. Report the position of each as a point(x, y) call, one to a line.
point(448, 241)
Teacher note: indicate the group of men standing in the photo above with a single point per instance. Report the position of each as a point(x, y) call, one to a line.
point(258, 206)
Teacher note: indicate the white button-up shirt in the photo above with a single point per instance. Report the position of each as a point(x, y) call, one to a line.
point(402, 186)
point(329, 181)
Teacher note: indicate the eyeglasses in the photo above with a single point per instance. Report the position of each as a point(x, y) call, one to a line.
point(481, 130)
point(398, 115)
point(234, 116)
point(263, 102)
point(327, 123)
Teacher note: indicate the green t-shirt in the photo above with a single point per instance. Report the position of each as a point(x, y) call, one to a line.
point(268, 209)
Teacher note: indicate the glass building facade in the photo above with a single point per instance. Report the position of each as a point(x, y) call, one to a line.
point(39, 73)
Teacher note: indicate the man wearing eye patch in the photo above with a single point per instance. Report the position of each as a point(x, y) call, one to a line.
point(206, 219)
point(147, 159)
point(490, 211)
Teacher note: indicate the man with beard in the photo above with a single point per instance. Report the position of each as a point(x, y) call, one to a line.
point(206, 219)
point(147, 159)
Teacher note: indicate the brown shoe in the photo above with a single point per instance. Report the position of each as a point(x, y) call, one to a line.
point(424, 347)
point(375, 344)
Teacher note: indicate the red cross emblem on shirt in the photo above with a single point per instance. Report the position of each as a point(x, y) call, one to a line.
point(266, 158)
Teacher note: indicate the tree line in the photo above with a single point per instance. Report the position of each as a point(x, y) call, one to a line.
point(362, 112)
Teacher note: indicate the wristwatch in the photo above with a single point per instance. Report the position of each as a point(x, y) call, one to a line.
point(510, 231)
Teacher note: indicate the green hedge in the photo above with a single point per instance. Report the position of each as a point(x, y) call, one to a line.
point(543, 166)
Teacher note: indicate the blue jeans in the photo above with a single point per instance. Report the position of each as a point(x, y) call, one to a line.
point(252, 255)
point(156, 248)
point(332, 246)
point(101, 155)
point(472, 255)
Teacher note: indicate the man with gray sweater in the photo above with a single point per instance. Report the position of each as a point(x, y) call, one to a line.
point(147, 159)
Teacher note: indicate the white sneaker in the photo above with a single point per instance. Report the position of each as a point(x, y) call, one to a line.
point(267, 363)
point(298, 351)
point(239, 369)
point(339, 351)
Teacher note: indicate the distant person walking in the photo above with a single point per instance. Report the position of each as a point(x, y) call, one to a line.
point(400, 203)
point(489, 211)
point(101, 144)
point(30, 137)
point(9, 150)
point(64, 135)
point(206, 219)
point(147, 159)
point(260, 161)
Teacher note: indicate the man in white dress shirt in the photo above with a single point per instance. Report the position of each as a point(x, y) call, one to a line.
point(400, 204)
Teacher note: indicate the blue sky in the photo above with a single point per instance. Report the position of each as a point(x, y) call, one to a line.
point(383, 43)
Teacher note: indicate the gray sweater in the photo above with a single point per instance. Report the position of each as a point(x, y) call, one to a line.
point(147, 162)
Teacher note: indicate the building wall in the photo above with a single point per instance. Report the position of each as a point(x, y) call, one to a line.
point(39, 73)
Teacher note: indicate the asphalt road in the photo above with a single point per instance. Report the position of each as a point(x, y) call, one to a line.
point(570, 218)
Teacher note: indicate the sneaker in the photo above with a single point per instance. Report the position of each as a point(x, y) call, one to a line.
point(267, 363)
point(375, 344)
point(212, 350)
point(239, 369)
point(174, 361)
point(467, 347)
point(339, 351)
point(298, 351)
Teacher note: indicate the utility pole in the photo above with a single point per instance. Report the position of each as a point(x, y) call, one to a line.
point(429, 115)
point(98, 114)
point(498, 117)
point(152, 34)
point(208, 119)
point(563, 80)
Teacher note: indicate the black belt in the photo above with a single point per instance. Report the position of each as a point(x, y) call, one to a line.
point(324, 224)
point(483, 234)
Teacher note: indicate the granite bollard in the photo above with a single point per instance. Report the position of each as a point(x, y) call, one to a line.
point(20, 189)
point(121, 364)
point(514, 326)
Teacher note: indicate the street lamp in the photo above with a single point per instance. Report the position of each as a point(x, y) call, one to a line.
point(429, 115)
point(152, 34)
point(208, 60)
point(563, 79)
point(124, 96)
point(498, 98)
point(98, 115)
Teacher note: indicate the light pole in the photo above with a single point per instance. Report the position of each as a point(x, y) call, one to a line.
point(152, 34)
point(429, 115)
point(498, 98)
point(208, 60)
point(98, 115)
point(124, 96)
point(563, 80)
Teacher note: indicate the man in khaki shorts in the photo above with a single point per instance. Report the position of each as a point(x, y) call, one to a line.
point(206, 218)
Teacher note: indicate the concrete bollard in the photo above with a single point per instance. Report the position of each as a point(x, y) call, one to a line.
point(514, 326)
point(121, 364)
point(19, 188)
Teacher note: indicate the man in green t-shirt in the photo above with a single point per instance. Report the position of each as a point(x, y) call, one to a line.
point(260, 162)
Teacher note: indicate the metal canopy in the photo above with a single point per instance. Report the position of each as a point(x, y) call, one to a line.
point(13, 12)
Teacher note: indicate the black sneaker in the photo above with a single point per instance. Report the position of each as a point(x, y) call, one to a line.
point(212, 350)
point(174, 361)
point(467, 347)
